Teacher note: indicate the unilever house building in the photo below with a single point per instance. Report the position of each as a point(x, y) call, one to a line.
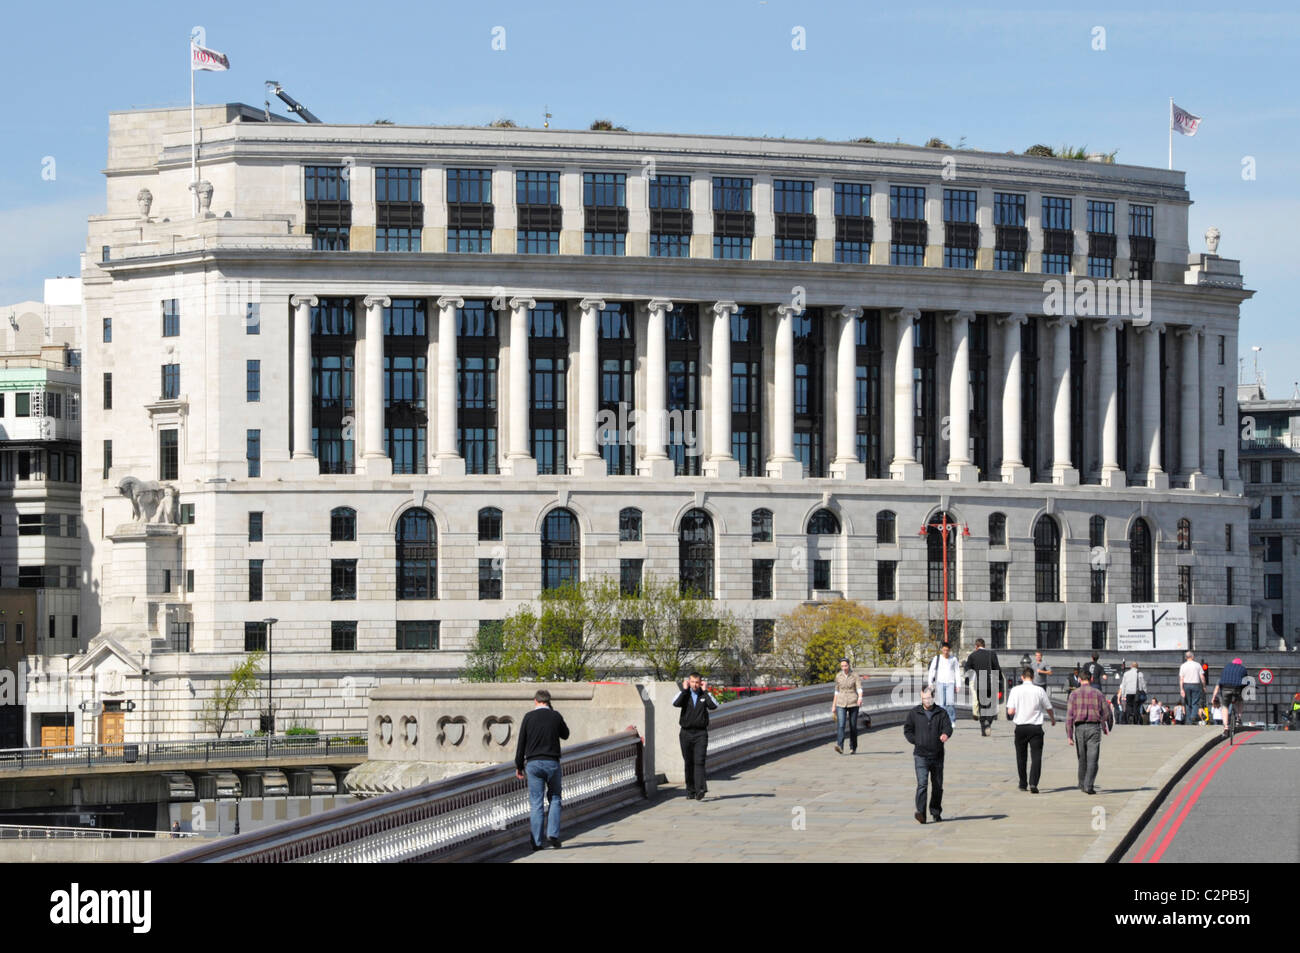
point(383, 384)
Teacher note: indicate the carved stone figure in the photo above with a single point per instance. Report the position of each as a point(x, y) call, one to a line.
point(204, 188)
point(144, 200)
point(1212, 240)
point(148, 499)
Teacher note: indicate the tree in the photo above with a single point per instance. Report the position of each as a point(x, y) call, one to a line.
point(607, 125)
point(678, 633)
point(504, 124)
point(231, 694)
point(486, 658)
point(810, 641)
point(570, 637)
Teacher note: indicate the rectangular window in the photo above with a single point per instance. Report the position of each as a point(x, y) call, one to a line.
point(399, 212)
point(1011, 236)
point(629, 578)
point(253, 381)
point(1222, 348)
point(255, 527)
point(108, 330)
point(997, 582)
point(255, 580)
point(998, 634)
point(477, 351)
point(469, 211)
point(548, 360)
point(1058, 235)
point(1221, 405)
point(328, 206)
point(171, 381)
point(1272, 549)
point(1227, 537)
point(795, 223)
point(469, 186)
point(733, 217)
point(762, 572)
point(604, 200)
point(489, 579)
point(886, 572)
point(168, 455)
point(1051, 635)
point(1230, 636)
point(537, 197)
point(108, 457)
point(189, 580)
point(961, 233)
point(171, 318)
point(1256, 472)
point(1275, 507)
point(20, 400)
point(1277, 471)
point(252, 318)
point(1185, 584)
point(1228, 588)
point(343, 579)
point(1273, 586)
point(671, 221)
point(616, 369)
point(853, 224)
point(254, 636)
point(343, 636)
point(907, 225)
point(1101, 239)
point(167, 580)
point(1142, 241)
point(1099, 635)
point(1097, 585)
point(254, 453)
point(764, 631)
point(422, 636)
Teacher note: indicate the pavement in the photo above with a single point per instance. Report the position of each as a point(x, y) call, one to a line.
point(811, 804)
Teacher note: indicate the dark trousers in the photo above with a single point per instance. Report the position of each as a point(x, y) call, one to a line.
point(1029, 746)
point(929, 773)
point(986, 694)
point(1087, 744)
point(695, 745)
point(1133, 710)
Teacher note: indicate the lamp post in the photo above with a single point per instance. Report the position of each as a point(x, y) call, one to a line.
point(270, 677)
point(944, 526)
point(68, 738)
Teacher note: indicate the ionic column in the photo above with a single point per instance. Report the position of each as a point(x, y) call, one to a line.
point(845, 466)
point(1063, 470)
point(655, 462)
point(1111, 474)
point(721, 462)
point(302, 305)
point(1157, 479)
point(782, 463)
point(590, 462)
point(518, 459)
point(1190, 394)
point(960, 467)
point(904, 465)
point(376, 460)
point(1013, 465)
point(448, 460)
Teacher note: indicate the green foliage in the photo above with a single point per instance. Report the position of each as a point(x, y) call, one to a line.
point(485, 659)
point(569, 637)
point(812, 639)
point(301, 730)
point(1041, 150)
point(936, 143)
point(607, 125)
point(679, 632)
point(230, 695)
point(504, 124)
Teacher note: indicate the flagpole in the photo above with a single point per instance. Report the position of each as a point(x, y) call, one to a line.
point(1171, 133)
point(194, 147)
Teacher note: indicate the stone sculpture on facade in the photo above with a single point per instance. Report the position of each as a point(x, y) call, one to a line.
point(144, 200)
point(1212, 240)
point(151, 501)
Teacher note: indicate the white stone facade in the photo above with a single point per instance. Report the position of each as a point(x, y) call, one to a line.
point(254, 249)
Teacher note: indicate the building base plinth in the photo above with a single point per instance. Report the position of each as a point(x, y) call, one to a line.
point(1115, 479)
point(854, 472)
point(963, 473)
point(1157, 480)
point(1015, 475)
point(590, 467)
point(911, 472)
point(785, 470)
point(377, 466)
point(722, 469)
point(1065, 476)
point(659, 468)
point(448, 466)
point(520, 467)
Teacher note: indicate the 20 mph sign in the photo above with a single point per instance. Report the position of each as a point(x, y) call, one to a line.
point(1266, 676)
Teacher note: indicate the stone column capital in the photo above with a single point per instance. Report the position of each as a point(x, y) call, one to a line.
point(451, 301)
point(592, 304)
point(1018, 317)
point(526, 303)
point(850, 312)
point(725, 308)
point(953, 317)
point(1062, 321)
point(904, 314)
point(1107, 324)
point(1194, 330)
point(783, 310)
point(299, 301)
point(1152, 328)
point(659, 304)
point(377, 301)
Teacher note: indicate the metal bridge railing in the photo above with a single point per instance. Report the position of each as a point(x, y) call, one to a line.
point(33, 832)
point(470, 815)
point(164, 752)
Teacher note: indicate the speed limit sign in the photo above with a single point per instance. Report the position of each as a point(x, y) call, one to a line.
point(1265, 676)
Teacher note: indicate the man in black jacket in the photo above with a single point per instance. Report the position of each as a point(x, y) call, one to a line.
point(695, 702)
point(983, 663)
point(538, 755)
point(928, 728)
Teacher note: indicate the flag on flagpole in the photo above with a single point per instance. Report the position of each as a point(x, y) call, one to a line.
point(205, 59)
point(1182, 120)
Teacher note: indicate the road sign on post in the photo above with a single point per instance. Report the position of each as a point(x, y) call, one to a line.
point(1151, 626)
point(1266, 676)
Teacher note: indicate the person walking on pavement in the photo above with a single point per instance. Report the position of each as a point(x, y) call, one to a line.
point(1098, 673)
point(537, 759)
point(695, 702)
point(927, 728)
point(1027, 703)
point(1041, 671)
point(844, 706)
point(1191, 688)
point(944, 678)
point(983, 663)
point(1085, 722)
point(1132, 694)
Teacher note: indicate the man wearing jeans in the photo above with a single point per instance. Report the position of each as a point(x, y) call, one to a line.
point(944, 676)
point(1191, 686)
point(844, 706)
point(537, 756)
point(928, 729)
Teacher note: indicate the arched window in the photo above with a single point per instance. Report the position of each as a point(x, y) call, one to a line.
point(934, 551)
point(1184, 534)
point(997, 529)
point(343, 524)
point(824, 523)
point(629, 525)
point(886, 528)
point(760, 523)
point(1047, 560)
point(489, 525)
point(560, 549)
point(417, 555)
point(695, 554)
point(1097, 531)
point(1139, 546)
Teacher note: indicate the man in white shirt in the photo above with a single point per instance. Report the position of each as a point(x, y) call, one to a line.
point(1191, 687)
point(1132, 693)
point(1027, 704)
point(945, 676)
point(1156, 711)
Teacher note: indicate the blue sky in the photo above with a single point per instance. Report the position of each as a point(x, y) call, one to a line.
point(1003, 77)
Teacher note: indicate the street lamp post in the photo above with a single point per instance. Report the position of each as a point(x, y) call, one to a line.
point(944, 526)
point(68, 736)
point(270, 677)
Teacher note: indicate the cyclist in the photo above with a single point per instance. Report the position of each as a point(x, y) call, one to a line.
point(1231, 678)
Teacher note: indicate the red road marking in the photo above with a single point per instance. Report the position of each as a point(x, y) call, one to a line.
point(1177, 802)
point(1182, 816)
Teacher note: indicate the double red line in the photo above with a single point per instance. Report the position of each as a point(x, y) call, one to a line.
point(1187, 798)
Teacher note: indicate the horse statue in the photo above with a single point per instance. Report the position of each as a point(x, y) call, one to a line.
point(149, 498)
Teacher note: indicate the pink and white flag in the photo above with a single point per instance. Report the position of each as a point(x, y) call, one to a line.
point(1184, 121)
point(205, 59)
